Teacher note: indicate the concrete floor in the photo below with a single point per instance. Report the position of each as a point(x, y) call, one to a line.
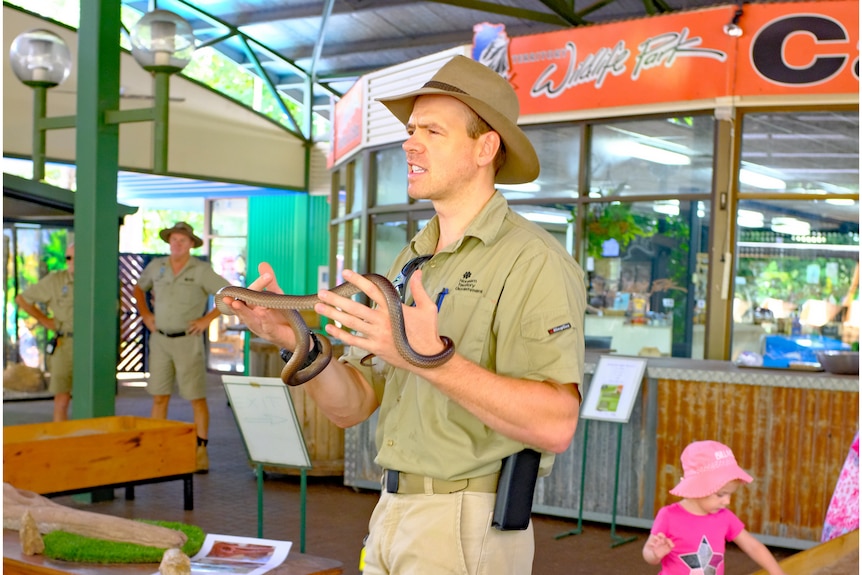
point(226, 502)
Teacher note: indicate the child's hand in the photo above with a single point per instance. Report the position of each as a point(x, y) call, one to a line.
point(656, 547)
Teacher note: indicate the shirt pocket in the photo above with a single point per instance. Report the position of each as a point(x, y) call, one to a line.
point(467, 319)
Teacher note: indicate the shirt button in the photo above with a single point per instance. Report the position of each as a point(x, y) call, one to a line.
point(389, 443)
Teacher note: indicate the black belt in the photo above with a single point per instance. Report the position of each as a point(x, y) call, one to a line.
point(177, 334)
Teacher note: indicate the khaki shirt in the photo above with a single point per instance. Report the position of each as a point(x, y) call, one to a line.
point(515, 305)
point(182, 298)
point(56, 290)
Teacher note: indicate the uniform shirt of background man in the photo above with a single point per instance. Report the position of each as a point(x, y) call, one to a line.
point(181, 286)
point(56, 291)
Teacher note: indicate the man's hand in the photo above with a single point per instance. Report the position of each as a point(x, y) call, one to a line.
point(371, 328)
point(270, 324)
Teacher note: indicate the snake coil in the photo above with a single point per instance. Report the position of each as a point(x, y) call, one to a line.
point(290, 305)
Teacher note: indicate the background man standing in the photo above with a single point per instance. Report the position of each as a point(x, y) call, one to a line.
point(181, 287)
point(56, 292)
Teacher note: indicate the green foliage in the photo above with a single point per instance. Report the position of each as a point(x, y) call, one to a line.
point(71, 547)
point(616, 221)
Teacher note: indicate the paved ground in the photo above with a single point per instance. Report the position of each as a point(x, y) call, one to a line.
point(226, 501)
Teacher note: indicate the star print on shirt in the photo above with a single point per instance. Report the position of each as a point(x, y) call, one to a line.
point(705, 561)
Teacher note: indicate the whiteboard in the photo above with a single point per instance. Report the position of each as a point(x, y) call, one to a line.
point(267, 420)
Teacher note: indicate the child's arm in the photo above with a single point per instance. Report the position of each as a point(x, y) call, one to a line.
point(656, 547)
point(758, 552)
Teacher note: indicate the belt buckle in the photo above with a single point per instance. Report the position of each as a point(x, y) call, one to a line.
point(391, 479)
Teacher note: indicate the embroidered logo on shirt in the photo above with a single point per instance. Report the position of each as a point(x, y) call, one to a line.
point(561, 327)
point(468, 283)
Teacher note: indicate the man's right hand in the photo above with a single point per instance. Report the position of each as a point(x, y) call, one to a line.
point(270, 324)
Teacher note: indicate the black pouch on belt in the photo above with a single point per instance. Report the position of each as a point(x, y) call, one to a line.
point(515, 489)
point(51, 345)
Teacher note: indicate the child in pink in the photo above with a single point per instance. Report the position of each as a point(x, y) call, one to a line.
point(688, 537)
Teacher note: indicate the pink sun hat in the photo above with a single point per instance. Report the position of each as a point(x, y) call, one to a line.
point(707, 466)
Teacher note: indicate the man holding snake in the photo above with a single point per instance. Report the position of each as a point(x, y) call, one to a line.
point(510, 298)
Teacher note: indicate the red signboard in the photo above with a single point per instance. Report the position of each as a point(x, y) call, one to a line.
point(792, 48)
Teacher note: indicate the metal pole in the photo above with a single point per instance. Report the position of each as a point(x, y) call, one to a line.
point(303, 483)
point(260, 501)
point(160, 123)
point(580, 528)
point(40, 99)
point(616, 540)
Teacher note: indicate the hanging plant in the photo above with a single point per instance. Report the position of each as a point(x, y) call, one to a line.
point(615, 221)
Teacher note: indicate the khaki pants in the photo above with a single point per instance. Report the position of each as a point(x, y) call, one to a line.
point(443, 534)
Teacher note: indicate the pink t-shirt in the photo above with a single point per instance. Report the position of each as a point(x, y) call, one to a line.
point(698, 540)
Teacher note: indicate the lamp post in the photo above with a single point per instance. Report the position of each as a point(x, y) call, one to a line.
point(162, 43)
point(41, 60)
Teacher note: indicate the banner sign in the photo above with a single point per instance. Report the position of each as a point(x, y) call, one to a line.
point(347, 125)
point(793, 48)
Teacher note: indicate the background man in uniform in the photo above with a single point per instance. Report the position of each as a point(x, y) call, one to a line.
point(181, 287)
point(56, 292)
point(512, 300)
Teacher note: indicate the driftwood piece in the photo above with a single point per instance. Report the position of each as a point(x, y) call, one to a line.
point(50, 516)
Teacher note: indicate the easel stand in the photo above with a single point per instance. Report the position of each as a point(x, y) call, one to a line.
point(610, 397)
point(271, 434)
point(616, 540)
point(303, 489)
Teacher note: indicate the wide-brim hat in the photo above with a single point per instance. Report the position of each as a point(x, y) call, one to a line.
point(707, 466)
point(181, 228)
point(492, 98)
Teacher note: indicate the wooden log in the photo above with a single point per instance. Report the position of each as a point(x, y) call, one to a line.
point(51, 516)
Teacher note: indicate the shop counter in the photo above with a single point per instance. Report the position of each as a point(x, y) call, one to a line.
point(790, 430)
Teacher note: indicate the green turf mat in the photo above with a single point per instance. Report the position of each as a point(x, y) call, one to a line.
point(71, 547)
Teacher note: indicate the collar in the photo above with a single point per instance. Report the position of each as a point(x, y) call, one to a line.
point(485, 227)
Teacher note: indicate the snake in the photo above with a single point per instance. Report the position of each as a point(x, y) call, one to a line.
point(293, 373)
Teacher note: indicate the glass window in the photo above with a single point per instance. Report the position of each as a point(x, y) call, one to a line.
point(390, 237)
point(652, 157)
point(559, 150)
point(806, 152)
point(642, 257)
point(796, 277)
point(229, 217)
point(797, 267)
point(390, 171)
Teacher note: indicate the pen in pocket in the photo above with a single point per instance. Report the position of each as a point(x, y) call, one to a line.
point(440, 297)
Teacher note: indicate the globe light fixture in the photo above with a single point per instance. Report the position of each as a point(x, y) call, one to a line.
point(162, 42)
point(40, 58)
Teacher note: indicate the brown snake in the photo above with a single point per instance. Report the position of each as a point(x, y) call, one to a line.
point(291, 374)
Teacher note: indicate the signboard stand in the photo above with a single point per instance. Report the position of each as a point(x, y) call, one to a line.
point(610, 397)
point(270, 432)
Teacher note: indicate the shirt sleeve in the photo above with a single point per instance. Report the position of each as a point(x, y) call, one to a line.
point(40, 292)
point(211, 281)
point(145, 281)
point(734, 526)
point(660, 524)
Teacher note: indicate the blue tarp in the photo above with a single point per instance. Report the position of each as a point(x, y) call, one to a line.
point(780, 350)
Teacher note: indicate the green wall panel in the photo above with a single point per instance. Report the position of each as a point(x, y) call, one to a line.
point(291, 232)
